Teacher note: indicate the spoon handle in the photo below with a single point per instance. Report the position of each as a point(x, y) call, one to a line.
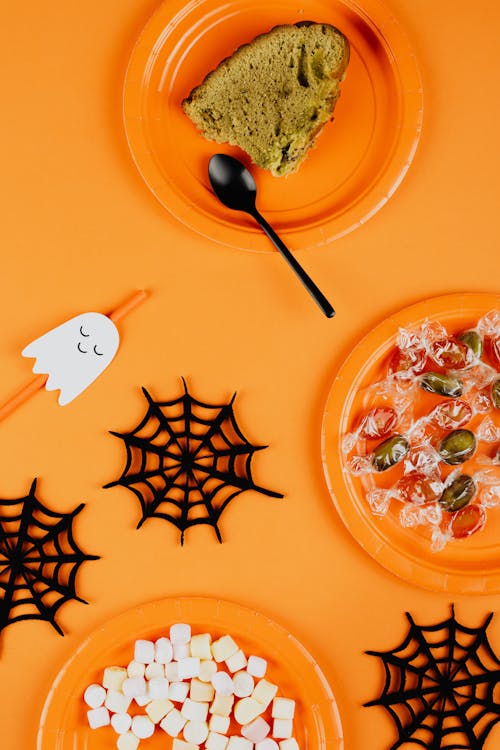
point(309, 284)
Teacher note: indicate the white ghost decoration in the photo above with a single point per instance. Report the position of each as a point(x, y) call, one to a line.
point(75, 353)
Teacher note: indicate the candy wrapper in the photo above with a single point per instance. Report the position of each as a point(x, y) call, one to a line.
point(428, 441)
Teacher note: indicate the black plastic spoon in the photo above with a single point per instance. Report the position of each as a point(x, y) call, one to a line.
point(235, 187)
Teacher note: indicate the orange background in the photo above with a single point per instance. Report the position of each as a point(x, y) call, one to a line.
point(80, 231)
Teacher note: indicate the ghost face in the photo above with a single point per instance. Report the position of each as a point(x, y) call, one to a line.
point(75, 353)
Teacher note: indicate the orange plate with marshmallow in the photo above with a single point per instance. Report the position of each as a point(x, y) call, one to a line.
point(470, 565)
point(358, 161)
point(64, 724)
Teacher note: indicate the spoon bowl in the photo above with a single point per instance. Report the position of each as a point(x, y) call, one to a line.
point(232, 183)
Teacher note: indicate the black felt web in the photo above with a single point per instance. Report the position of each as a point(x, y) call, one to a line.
point(186, 461)
point(442, 686)
point(39, 560)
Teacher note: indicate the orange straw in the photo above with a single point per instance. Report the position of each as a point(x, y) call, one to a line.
point(119, 312)
point(37, 383)
point(23, 395)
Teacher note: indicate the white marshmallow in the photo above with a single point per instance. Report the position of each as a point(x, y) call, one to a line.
point(189, 668)
point(194, 711)
point(154, 670)
point(98, 717)
point(256, 666)
point(135, 669)
point(142, 727)
point(289, 744)
point(239, 743)
point(121, 723)
point(237, 661)
point(283, 708)
point(173, 723)
point(247, 709)
point(267, 744)
point(180, 633)
point(202, 692)
point(117, 702)
point(144, 651)
point(257, 730)
point(264, 692)
point(134, 686)
point(195, 732)
point(94, 696)
point(163, 651)
point(127, 741)
point(207, 669)
point(157, 710)
point(182, 745)
point(243, 684)
point(172, 671)
point(222, 683)
point(158, 688)
point(200, 646)
point(178, 691)
point(113, 678)
point(181, 651)
point(282, 729)
point(216, 741)
point(142, 700)
point(224, 648)
point(219, 724)
point(222, 705)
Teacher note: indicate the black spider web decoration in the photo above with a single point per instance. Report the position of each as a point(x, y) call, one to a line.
point(442, 686)
point(186, 461)
point(39, 560)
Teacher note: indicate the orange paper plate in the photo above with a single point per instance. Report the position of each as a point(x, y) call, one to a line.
point(63, 725)
point(470, 565)
point(358, 162)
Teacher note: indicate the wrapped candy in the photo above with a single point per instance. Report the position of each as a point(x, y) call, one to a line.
point(480, 402)
point(379, 500)
point(420, 515)
point(489, 324)
point(488, 431)
point(387, 454)
point(422, 458)
point(467, 521)
point(477, 377)
point(493, 345)
point(450, 415)
point(450, 353)
point(406, 362)
point(378, 422)
point(418, 488)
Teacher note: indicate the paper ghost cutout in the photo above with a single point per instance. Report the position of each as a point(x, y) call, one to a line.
point(75, 353)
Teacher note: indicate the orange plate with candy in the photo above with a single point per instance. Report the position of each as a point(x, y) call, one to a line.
point(468, 565)
point(63, 725)
point(359, 159)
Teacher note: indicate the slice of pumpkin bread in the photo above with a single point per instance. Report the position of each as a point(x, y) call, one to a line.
point(273, 96)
